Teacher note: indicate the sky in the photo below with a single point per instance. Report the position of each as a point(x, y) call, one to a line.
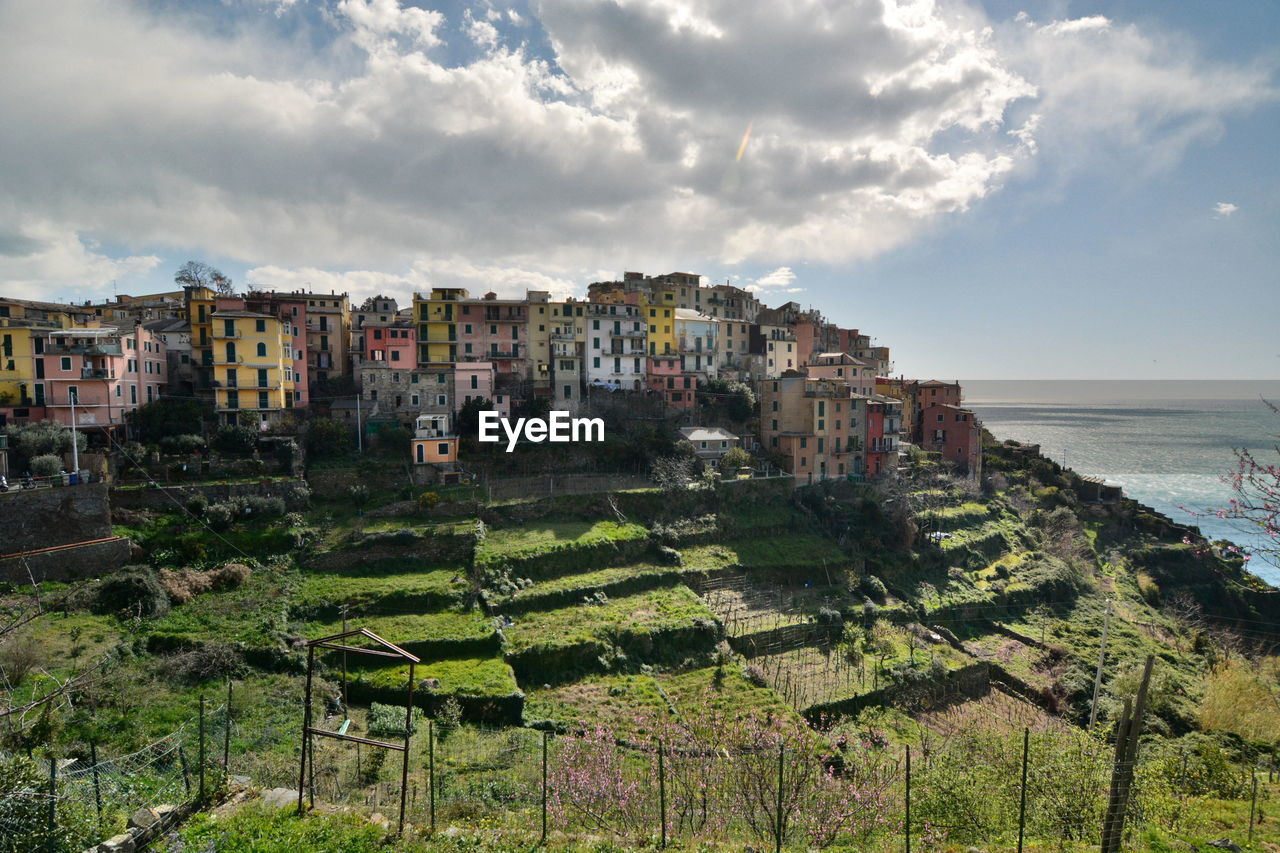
point(993, 189)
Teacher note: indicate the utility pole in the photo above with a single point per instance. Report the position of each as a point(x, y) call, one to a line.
point(73, 393)
point(359, 431)
point(1102, 654)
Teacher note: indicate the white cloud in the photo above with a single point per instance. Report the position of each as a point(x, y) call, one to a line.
point(42, 260)
point(1223, 209)
point(775, 282)
point(870, 122)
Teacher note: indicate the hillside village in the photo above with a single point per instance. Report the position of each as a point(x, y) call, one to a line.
point(829, 407)
point(266, 591)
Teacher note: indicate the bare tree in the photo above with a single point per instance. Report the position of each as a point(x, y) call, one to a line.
point(200, 274)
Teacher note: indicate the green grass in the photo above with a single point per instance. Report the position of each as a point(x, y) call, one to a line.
point(799, 549)
point(382, 586)
point(655, 610)
point(588, 581)
point(540, 537)
point(254, 614)
point(410, 628)
point(597, 699)
point(470, 676)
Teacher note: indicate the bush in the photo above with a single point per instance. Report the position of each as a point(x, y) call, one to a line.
point(197, 504)
point(182, 443)
point(755, 675)
point(669, 556)
point(257, 507)
point(427, 501)
point(389, 720)
point(328, 438)
point(206, 661)
point(132, 592)
point(45, 466)
point(873, 588)
point(235, 439)
point(220, 516)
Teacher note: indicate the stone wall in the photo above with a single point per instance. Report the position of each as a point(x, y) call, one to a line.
point(43, 518)
point(67, 563)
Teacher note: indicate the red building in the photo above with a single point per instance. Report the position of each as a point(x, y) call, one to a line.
point(955, 434)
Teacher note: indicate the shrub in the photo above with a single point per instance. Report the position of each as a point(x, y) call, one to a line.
point(669, 556)
point(874, 588)
point(230, 576)
point(830, 616)
point(183, 585)
point(18, 658)
point(46, 465)
point(197, 504)
point(1149, 588)
point(206, 661)
point(220, 516)
point(388, 720)
point(258, 507)
point(427, 501)
point(132, 592)
point(182, 443)
point(448, 717)
point(755, 675)
point(235, 439)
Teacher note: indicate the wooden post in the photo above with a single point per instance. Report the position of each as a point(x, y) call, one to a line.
point(782, 750)
point(545, 736)
point(1102, 655)
point(408, 735)
point(1253, 804)
point(1022, 801)
point(431, 770)
point(186, 777)
point(306, 725)
point(226, 740)
point(1126, 756)
point(97, 790)
point(907, 817)
point(202, 747)
point(50, 841)
point(662, 793)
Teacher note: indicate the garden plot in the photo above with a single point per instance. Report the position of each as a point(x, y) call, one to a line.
point(366, 590)
point(447, 633)
point(750, 605)
point(576, 588)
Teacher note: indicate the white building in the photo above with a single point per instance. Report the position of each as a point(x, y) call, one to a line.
point(615, 346)
point(697, 343)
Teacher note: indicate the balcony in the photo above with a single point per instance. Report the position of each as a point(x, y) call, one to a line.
point(565, 337)
point(82, 349)
point(95, 373)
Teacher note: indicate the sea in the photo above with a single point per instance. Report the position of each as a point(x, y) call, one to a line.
point(1167, 442)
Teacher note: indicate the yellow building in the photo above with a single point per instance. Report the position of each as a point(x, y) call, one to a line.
point(660, 316)
point(252, 366)
point(24, 328)
point(437, 320)
point(200, 307)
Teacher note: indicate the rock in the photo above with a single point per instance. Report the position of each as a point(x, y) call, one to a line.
point(429, 684)
point(143, 819)
point(1226, 844)
point(379, 819)
point(279, 798)
point(122, 843)
point(166, 813)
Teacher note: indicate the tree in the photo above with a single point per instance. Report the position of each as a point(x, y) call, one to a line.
point(734, 459)
point(327, 438)
point(40, 439)
point(200, 274)
point(1256, 506)
point(469, 417)
point(728, 399)
point(165, 418)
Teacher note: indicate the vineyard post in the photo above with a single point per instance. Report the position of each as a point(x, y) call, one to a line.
point(50, 843)
point(97, 790)
point(1253, 804)
point(1022, 802)
point(226, 739)
point(545, 736)
point(182, 765)
point(782, 750)
point(662, 793)
point(431, 770)
point(202, 747)
point(906, 823)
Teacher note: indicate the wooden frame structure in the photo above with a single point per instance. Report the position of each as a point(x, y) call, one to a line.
point(388, 650)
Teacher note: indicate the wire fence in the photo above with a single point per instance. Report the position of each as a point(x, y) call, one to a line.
point(69, 804)
point(722, 777)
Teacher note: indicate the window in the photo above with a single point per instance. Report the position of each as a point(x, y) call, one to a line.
point(66, 363)
point(228, 329)
point(568, 392)
point(262, 350)
point(133, 395)
point(595, 324)
point(395, 355)
point(475, 381)
point(264, 400)
point(259, 325)
point(443, 448)
point(262, 378)
point(595, 362)
point(466, 328)
point(414, 398)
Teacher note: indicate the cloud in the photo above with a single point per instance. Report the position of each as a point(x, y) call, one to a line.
point(1223, 209)
point(570, 136)
point(41, 260)
point(775, 282)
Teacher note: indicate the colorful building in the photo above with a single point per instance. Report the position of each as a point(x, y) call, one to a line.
point(100, 373)
point(252, 356)
point(808, 423)
point(954, 433)
point(615, 345)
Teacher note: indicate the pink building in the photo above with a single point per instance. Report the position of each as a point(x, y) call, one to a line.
point(391, 346)
point(475, 380)
point(106, 372)
point(496, 331)
point(665, 377)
